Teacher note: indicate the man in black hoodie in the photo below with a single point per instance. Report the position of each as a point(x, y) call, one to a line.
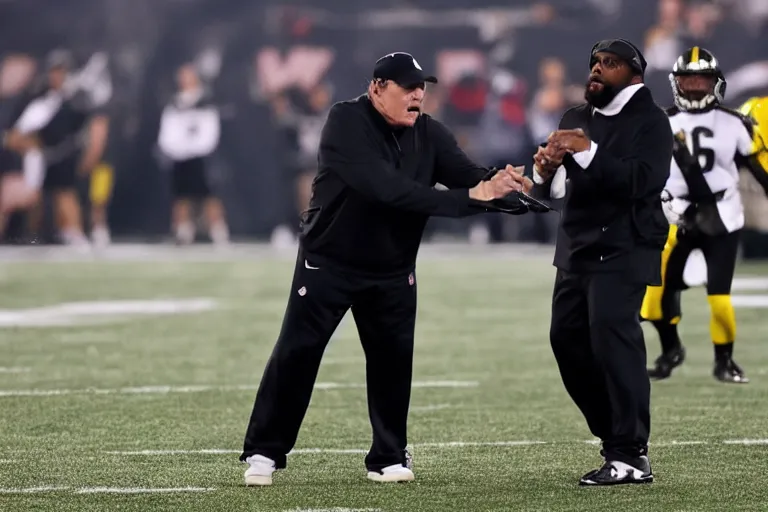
point(609, 162)
point(379, 159)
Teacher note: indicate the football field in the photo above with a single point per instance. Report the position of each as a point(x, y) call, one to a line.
point(126, 383)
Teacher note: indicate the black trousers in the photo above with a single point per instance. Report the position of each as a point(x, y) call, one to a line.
point(384, 310)
point(598, 343)
point(189, 179)
point(720, 253)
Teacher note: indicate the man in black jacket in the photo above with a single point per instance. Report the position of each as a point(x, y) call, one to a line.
point(379, 160)
point(609, 162)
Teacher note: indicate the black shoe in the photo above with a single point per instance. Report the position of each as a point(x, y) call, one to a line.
point(666, 362)
point(726, 370)
point(617, 473)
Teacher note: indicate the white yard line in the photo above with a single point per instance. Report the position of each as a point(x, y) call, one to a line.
point(14, 369)
point(749, 283)
point(427, 408)
point(677, 443)
point(446, 444)
point(83, 313)
point(210, 451)
point(206, 388)
point(334, 509)
point(218, 451)
point(140, 490)
point(340, 451)
point(306, 451)
point(104, 490)
point(465, 444)
point(750, 301)
point(652, 443)
point(343, 360)
point(32, 490)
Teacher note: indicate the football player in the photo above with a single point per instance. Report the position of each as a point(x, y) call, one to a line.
point(704, 207)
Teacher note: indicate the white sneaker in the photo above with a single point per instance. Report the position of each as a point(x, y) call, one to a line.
point(394, 473)
point(219, 234)
point(259, 470)
point(282, 238)
point(479, 234)
point(100, 236)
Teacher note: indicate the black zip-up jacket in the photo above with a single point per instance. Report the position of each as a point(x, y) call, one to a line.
point(374, 190)
point(611, 219)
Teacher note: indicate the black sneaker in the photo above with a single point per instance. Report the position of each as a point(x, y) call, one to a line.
point(666, 362)
point(617, 473)
point(726, 370)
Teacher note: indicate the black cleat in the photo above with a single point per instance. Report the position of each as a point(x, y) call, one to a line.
point(665, 363)
point(618, 473)
point(726, 370)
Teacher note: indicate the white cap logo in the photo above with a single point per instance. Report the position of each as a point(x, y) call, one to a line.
point(416, 64)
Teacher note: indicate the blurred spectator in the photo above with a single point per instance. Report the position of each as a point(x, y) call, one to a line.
point(17, 192)
point(663, 45)
point(67, 123)
point(661, 41)
point(189, 133)
point(752, 14)
point(465, 101)
point(96, 190)
point(433, 101)
point(299, 116)
point(287, 151)
point(502, 136)
point(551, 100)
point(553, 97)
point(311, 114)
point(296, 44)
point(702, 19)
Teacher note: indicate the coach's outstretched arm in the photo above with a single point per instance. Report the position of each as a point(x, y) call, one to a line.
point(639, 174)
point(349, 149)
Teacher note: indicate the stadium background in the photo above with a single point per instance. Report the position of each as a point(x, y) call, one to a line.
point(127, 376)
point(491, 57)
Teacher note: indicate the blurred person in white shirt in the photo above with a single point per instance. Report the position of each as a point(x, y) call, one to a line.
point(189, 133)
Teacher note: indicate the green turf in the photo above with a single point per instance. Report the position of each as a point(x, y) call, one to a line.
point(479, 320)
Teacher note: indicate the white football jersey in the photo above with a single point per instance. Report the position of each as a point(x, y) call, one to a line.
point(715, 137)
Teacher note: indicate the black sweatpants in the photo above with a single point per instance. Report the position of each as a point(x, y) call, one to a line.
point(598, 343)
point(384, 310)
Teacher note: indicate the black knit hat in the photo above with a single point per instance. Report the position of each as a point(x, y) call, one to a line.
point(622, 48)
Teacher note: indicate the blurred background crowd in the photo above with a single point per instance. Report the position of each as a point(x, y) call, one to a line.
point(265, 72)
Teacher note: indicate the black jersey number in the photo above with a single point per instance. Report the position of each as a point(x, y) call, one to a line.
point(705, 155)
